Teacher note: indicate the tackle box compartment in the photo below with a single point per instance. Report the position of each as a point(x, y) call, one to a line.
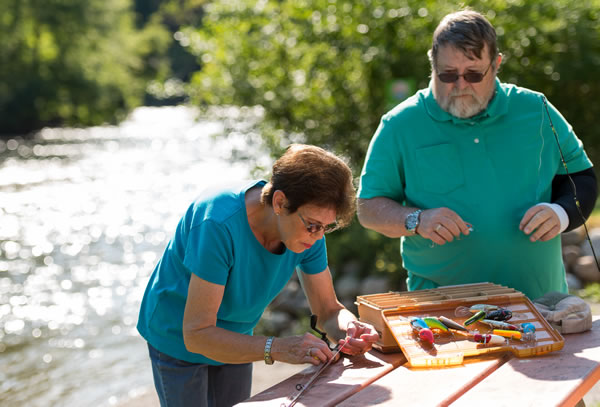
point(389, 313)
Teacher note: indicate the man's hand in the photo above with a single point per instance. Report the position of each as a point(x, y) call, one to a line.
point(541, 223)
point(442, 225)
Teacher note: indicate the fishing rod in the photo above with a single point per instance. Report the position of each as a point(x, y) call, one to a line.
point(571, 182)
point(303, 387)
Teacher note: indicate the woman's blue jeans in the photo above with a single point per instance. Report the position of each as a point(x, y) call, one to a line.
point(183, 384)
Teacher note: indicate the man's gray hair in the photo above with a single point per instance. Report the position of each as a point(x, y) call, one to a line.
point(466, 30)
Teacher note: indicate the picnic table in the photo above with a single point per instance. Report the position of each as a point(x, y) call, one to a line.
point(559, 378)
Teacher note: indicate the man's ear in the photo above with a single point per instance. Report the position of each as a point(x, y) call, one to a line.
point(498, 61)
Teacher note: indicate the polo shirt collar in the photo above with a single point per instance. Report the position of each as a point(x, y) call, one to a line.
point(497, 107)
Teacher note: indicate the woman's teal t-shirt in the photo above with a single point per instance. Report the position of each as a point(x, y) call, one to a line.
point(214, 241)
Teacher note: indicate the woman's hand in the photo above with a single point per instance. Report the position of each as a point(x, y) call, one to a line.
point(305, 348)
point(360, 338)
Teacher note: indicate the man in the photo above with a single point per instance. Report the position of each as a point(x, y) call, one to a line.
point(468, 172)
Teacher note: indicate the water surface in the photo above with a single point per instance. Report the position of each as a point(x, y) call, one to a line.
point(84, 216)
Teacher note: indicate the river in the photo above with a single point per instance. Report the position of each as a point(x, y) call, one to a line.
point(84, 216)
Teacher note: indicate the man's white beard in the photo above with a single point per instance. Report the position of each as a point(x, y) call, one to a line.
point(464, 107)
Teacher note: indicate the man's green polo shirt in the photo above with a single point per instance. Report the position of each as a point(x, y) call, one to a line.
point(490, 169)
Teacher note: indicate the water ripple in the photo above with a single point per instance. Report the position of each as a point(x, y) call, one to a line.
point(84, 216)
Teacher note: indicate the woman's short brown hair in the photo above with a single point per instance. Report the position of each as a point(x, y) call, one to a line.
point(311, 175)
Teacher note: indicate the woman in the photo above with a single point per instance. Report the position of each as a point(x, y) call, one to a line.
point(233, 252)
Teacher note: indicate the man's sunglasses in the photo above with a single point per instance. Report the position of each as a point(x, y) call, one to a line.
point(471, 77)
point(317, 227)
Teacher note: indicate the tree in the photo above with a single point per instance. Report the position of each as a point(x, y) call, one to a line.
point(73, 62)
point(320, 68)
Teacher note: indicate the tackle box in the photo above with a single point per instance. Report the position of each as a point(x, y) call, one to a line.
point(389, 313)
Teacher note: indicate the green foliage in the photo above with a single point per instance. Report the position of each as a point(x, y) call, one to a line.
point(319, 68)
point(590, 293)
point(73, 62)
point(173, 14)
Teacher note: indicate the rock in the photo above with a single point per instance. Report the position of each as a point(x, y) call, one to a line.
point(374, 285)
point(574, 237)
point(585, 245)
point(570, 255)
point(291, 300)
point(573, 282)
point(586, 269)
point(276, 321)
point(351, 268)
point(347, 286)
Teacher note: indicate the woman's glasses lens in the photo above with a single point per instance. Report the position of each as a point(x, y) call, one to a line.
point(317, 227)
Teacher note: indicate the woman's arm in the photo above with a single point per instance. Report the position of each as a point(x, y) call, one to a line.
point(335, 319)
point(201, 335)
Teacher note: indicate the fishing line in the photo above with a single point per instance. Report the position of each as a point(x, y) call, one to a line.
point(571, 182)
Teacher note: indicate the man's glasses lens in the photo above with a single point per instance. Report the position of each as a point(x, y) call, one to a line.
point(471, 77)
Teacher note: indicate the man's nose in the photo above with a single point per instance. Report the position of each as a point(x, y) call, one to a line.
point(461, 83)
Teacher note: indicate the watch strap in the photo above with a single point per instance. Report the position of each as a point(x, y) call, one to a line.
point(268, 358)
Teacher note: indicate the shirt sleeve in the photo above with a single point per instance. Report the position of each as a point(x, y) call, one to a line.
point(586, 187)
point(209, 252)
point(315, 260)
point(382, 173)
point(570, 145)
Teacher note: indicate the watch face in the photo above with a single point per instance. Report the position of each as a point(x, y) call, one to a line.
point(412, 221)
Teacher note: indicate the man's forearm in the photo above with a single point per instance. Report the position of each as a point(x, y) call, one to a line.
point(384, 215)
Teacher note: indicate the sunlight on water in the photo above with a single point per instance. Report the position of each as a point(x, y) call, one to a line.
point(84, 216)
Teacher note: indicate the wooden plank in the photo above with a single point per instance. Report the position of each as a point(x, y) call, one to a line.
point(339, 381)
point(558, 379)
point(406, 386)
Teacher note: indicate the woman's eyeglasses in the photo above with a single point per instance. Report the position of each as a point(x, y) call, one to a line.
point(317, 227)
point(471, 77)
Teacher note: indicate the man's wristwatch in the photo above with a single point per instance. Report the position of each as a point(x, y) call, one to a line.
point(268, 358)
point(412, 221)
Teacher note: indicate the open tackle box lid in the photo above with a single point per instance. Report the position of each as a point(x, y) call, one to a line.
point(390, 313)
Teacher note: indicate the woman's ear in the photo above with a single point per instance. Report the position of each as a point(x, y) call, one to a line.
point(279, 202)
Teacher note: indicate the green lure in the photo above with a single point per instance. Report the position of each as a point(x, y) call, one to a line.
point(479, 315)
point(434, 323)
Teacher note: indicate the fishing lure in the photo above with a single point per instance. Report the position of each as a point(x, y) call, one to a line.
point(420, 326)
point(462, 311)
point(489, 339)
point(500, 314)
point(435, 323)
point(476, 317)
point(500, 324)
point(452, 324)
point(523, 336)
point(510, 334)
point(527, 327)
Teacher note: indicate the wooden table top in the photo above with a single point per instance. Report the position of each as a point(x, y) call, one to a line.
point(560, 378)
